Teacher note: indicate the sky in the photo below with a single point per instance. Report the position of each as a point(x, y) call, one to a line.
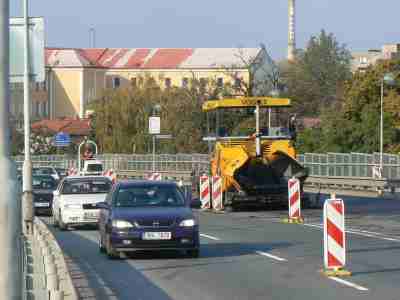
point(360, 24)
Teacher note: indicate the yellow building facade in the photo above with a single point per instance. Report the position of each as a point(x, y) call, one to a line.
point(75, 77)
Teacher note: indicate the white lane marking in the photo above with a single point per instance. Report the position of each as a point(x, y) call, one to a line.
point(348, 283)
point(271, 256)
point(361, 233)
point(210, 237)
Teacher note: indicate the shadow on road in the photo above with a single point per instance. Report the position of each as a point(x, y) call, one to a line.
point(97, 277)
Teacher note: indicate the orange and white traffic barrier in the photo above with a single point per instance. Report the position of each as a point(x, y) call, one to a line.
point(205, 195)
point(334, 238)
point(217, 203)
point(294, 196)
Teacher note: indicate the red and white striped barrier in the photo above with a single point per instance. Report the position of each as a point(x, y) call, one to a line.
point(111, 174)
point(154, 176)
point(72, 172)
point(217, 203)
point(334, 238)
point(294, 200)
point(205, 195)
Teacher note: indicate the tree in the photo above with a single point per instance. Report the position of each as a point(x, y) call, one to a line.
point(315, 79)
point(121, 118)
point(354, 124)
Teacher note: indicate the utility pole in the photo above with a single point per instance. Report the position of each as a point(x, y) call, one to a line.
point(10, 218)
point(27, 167)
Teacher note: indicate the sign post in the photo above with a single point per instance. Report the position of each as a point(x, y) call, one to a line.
point(154, 129)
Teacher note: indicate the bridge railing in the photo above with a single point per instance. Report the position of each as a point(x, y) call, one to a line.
point(323, 165)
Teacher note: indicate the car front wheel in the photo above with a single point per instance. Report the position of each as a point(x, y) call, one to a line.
point(193, 253)
point(111, 252)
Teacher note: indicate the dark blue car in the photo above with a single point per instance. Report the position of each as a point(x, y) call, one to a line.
point(147, 215)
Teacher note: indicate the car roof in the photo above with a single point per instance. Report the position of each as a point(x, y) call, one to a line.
point(132, 183)
point(86, 177)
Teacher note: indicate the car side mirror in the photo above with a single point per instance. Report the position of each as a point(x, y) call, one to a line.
point(56, 193)
point(102, 205)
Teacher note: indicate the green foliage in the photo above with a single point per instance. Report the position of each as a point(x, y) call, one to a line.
point(121, 118)
point(354, 124)
point(316, 78)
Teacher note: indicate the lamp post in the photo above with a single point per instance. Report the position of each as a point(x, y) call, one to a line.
point(389, 80)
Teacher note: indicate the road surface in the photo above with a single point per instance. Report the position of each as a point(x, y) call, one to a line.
point(251, 255)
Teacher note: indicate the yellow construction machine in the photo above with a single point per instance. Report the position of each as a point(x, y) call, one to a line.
point(255, 160)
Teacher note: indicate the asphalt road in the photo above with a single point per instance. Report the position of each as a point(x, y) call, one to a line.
point(251, 255)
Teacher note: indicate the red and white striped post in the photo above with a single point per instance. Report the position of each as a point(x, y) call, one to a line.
point(155, 177)
point(205, 195)
point(217, 203)
point(334, 238)
point(294, 201)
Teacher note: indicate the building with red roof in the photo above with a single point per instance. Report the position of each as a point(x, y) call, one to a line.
point(75, 77)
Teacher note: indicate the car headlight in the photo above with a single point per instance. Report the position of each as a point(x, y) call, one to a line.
point(121, 224)
point(188, 223)
point(72, 206)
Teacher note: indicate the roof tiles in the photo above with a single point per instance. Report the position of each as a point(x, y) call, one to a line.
point(154, 58)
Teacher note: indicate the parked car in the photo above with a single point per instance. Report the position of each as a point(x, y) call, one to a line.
point(62, 172)
point(76, 198)
point(147, 215)
point(46, 171)
point(43, 187)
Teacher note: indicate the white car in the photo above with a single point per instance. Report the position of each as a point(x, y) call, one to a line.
point(75, 200)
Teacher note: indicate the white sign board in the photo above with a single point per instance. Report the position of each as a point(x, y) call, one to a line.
point(154, 125)
point(36, 49)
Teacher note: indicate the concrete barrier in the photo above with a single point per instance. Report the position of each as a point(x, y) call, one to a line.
point(46, 272)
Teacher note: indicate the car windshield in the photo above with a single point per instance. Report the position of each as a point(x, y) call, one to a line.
point(95, 168)
point(86, 186)
point(43, 183)
point(149, 196)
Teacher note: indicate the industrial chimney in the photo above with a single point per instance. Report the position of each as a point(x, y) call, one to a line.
point(292, 30)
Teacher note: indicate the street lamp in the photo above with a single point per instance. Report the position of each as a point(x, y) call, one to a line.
point(389, 80)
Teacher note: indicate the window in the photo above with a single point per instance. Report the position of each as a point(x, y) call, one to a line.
point(134, 82)
point(167, 82)
point(185, 82)
point(203, 82)
point(149, 196)
point(363, 60)
point(116, 82)
point(238, 83)
point(220, 82)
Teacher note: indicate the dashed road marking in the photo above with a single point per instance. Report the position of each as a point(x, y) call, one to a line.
point(210, 237)
point(271, 256)
point(349, 284)
point(379, 236)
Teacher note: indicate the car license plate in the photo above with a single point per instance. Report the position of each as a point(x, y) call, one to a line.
point(157, 236)
point(39, 204)
point(91, 215)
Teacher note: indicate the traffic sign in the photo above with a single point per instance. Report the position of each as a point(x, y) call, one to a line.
point(36, 49)
point(154, 125)
point(62, 139)
point(163, 136)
